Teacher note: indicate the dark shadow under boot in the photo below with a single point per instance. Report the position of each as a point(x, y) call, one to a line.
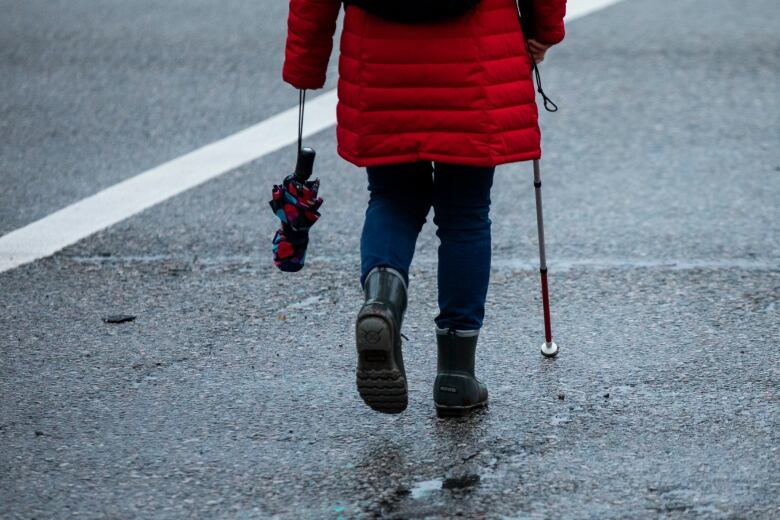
point(381, 378)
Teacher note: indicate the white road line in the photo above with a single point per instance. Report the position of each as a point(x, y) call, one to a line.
point(579, 8)
point(67, 226)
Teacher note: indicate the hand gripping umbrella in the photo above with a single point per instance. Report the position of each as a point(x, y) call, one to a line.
point(296, 203)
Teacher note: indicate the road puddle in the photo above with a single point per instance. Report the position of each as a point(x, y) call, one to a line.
point(425, 488)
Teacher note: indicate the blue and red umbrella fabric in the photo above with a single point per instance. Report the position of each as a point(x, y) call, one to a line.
point(296, 202)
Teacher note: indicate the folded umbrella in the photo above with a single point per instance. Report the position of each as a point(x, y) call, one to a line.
point(296, 202)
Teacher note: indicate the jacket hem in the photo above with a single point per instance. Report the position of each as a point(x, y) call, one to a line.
point(486, 161)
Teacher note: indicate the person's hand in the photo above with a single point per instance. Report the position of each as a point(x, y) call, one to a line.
point(537, 49)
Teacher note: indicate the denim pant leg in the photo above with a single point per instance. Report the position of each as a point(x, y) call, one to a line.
point(461, 203)
point(397, 208)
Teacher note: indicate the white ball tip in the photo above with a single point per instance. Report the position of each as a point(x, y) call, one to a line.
point(549, 349)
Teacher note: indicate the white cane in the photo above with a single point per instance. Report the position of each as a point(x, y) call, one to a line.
point(549, 348)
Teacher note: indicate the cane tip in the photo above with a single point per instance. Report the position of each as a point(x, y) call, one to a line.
point(550, 349)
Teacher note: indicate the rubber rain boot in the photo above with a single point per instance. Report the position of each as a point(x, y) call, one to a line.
point(457, 391)
point(381, 378)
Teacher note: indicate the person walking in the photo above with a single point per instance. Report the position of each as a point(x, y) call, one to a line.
point(429, 109)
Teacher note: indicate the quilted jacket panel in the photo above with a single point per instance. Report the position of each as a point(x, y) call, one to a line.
point(457, 91)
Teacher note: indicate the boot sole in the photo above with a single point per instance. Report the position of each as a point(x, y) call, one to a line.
point(380, 381)
point(458, 411)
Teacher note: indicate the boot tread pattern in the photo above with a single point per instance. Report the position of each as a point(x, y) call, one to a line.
point(380, 382)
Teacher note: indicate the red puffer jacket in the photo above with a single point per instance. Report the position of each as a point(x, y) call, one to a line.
point(457, 91)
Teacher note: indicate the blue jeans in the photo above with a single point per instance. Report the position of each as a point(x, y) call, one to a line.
point(400, 197)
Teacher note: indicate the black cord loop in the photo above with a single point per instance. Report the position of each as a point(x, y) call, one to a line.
point(549, 104)
point(301, 104)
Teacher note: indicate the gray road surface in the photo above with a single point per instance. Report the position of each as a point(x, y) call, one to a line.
point(232, 394)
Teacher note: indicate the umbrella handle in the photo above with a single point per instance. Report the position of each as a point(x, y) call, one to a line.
point(305, 164)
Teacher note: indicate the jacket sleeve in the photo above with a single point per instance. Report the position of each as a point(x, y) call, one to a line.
point(311, 25)
point(547, 20)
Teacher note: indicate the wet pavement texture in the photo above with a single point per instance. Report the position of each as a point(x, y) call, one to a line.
point(231, 393)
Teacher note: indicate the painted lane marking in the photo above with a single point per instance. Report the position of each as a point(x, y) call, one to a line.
point(81, 219)
point(579, 8)
point(67, 226)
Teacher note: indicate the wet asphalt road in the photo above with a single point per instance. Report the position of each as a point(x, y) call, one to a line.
point(232, 393)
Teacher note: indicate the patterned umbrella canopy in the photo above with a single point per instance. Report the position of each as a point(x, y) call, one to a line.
point(296, 203)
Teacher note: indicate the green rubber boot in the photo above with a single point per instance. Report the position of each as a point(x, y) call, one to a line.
point(381, 378)
point(457, 391)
